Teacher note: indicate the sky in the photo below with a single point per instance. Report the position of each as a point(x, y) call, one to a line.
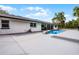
point(44, 12)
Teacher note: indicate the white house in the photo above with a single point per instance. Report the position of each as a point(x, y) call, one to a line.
point(16, 24)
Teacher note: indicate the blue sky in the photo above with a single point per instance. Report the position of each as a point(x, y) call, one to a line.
point(44, 12)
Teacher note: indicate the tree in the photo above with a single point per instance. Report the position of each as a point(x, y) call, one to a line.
point(72, 24)
point(59, 19)
point(3, 11)
point(77, 20)
point(76, 11)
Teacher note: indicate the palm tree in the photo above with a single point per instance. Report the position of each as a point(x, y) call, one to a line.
point(59, 19)
point(76, 13)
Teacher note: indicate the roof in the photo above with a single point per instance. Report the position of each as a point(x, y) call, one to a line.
point(23, 18)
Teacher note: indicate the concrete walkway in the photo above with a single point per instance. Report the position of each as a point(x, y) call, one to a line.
point(9, 46)
point(37, 44)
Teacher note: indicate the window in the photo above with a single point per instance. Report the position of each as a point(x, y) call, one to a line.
point(33, 24)
point(5, 24)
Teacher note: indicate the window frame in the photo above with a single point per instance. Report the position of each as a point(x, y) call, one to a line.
point(5, 24)
point(32, 24)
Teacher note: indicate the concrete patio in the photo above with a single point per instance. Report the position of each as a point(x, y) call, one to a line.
point(39, 44)
point(72, 34)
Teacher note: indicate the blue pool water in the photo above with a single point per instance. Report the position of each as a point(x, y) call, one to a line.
point(55, 31)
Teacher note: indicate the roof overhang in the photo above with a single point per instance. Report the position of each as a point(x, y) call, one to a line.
point(23, 18)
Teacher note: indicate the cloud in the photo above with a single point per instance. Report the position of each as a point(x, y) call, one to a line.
point(30, 8)
point(31, 12)
point(69, 17)
point(38, 13)
point(34, 8)
point(7, 8)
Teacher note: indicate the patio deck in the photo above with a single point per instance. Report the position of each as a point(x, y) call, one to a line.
point(39, 44)
point(70, 35)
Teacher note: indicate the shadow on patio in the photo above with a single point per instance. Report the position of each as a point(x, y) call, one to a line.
point(67, 39)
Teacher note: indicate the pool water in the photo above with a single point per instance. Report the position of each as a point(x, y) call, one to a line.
point(55, 31)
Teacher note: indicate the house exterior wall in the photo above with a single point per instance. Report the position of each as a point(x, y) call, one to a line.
point(18, 26)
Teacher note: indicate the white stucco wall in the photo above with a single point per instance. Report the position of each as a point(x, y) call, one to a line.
point(18, 26)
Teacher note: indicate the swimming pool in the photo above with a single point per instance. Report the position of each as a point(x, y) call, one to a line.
point(55, 31)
